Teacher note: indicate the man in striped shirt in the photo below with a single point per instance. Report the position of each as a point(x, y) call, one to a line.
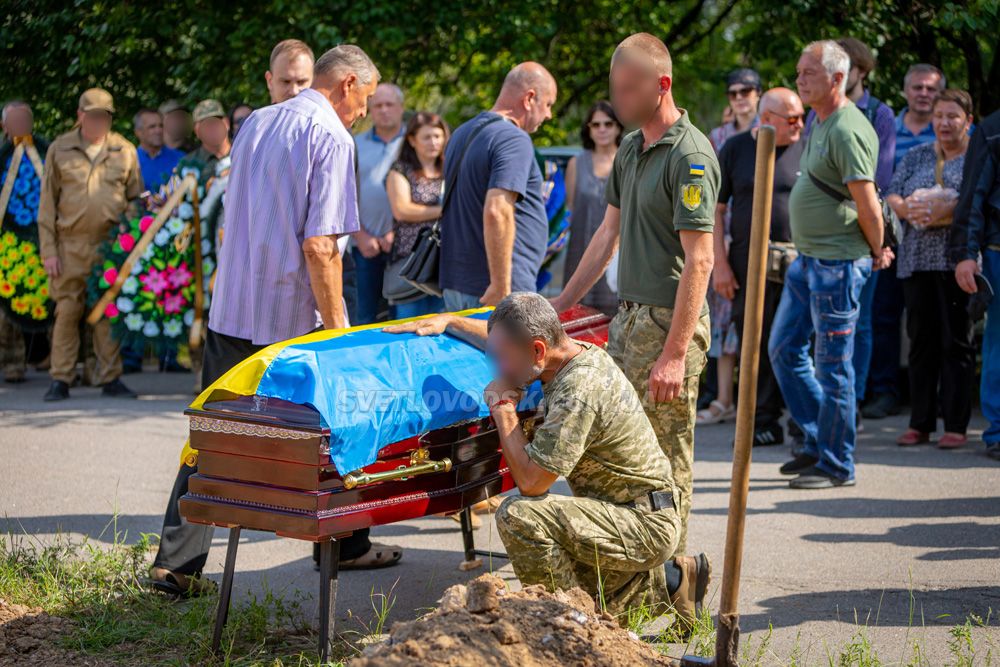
point(292, 192)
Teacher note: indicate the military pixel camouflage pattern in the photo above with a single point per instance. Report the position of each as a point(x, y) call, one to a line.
point(635, 341)
point(12, 360)
point(562, 542)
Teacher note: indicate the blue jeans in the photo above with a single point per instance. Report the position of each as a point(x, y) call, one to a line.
point(821, 296)
point(989, 388)
point(425, 305)
point(863, 338)
point(369, 274)
point(887, 316)
point(455, 300)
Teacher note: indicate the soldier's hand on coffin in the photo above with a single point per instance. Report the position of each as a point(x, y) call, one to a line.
point(500, 390)
point(52, 266)
point(430, 326)
point(666, 379)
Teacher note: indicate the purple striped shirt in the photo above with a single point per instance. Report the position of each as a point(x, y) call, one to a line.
point(292, 179)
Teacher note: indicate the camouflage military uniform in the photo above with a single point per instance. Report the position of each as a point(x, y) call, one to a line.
point(607, 538)
point(12, 359)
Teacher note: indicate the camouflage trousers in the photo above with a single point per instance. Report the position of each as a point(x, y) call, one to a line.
point(611, 551)
point(635, 341)
point(12, 355)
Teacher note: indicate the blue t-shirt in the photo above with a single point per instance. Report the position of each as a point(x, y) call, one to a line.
point(500, 156)
point(156, 170)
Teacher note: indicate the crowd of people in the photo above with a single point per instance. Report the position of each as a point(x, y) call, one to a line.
point(666, 206)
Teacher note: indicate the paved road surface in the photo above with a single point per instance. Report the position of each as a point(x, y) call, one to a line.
point(817, 563)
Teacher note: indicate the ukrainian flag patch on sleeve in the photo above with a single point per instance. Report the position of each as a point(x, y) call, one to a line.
point(696, 170)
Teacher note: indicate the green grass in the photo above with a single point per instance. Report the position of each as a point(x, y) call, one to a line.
point(117, 619)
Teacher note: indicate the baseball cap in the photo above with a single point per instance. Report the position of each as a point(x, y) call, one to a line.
point(744, 75)
point(97, 99)
point(208, 109)
point(171, 105)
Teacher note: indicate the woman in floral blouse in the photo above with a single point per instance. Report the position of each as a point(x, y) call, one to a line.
point(942, 355)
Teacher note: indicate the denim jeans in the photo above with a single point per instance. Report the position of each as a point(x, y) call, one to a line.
point(821, 296)
point(369, 273)
point(887, 317)
point(425, 305)
point(863, 338)
point(455, 301)
point(989, 388)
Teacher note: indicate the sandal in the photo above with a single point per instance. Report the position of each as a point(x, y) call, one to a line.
point(715, 413)
point(476, 521)
point(912, 437)
point(179, 585)
point(380, 555)
point(952, 441)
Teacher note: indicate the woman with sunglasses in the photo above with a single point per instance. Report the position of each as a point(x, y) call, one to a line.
point(586, 176)
point(743, 89)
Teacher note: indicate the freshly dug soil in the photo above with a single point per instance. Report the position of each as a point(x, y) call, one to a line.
point(484, 624)
point(31, 637)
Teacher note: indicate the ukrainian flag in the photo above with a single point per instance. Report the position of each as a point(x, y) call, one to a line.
point(697, 170)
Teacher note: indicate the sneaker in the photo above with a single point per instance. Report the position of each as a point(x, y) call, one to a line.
point(58, 391)
point(880, 407)
point(696, 573)
point(993, 450)
point(769, 434)
point(117, 389)
point(798, 464)
point(814, 478)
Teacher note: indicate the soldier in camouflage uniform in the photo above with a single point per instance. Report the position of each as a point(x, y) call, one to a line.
point(661, 194)
point(614, 537)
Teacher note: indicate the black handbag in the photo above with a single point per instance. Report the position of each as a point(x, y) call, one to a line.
point(890, 221)
point(422, 267)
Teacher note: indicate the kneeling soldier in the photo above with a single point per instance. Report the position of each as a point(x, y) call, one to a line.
point(616, 535)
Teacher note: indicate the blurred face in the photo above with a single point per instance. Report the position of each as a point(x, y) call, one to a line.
point(150, 130)
point(788, 122)
point(920, 91)
point(635, 91)
point(814, 83)
point(853, 77)
point(289, 76)
point(603, 130)
point(212, 132)
point(94, 125)
point(743, 98)
point(353, 104)
point(386, 109)
point(18, 122)
point(538, 107)
point(177, 125)
point(240, 115)
point(428, 142)
point(516, 363)
point(951, 124)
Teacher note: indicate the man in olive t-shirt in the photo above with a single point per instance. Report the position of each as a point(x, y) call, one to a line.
point(836, 222)
point(661, 194)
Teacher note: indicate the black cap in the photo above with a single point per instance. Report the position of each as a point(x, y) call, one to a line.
point(744, 75)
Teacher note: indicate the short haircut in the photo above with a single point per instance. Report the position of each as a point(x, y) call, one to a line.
point(652, 49)
point(860, 55)
point(14, 104)
point(394, 88)
point(291, 48)
point(959, 97)
point(605, 107)
point(347, 59)
point(527, 76)
point(137, 118)
point(833, 58)
point(526, 317)
point(924, 68)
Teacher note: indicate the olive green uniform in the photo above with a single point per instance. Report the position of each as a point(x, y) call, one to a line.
point(607, 538)
point(669, 187)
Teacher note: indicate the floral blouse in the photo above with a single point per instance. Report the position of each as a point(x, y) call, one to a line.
point(923, 249)
point(423, 190)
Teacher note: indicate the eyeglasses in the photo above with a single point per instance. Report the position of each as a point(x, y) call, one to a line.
point(597, 124)
point(740, 92)
point(794, 119)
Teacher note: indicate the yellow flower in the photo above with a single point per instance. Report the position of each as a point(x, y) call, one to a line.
point(43, 292)
point(5, 263)
point(19, 306)
point(27, 248)
point(32, 260)
point(30, 282)
point(13, 254)
point(7, 240)
point(39, 312)
point(6, 289)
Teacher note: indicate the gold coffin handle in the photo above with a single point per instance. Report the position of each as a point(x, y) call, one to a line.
point(419, 465)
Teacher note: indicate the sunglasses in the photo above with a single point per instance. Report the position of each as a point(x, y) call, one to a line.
point(791, 120)
point(597, 124)
point(739, 92)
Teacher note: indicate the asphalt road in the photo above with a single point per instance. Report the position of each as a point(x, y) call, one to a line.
point(904, 556)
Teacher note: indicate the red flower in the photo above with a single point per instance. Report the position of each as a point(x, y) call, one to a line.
point(111, 310)
point(145, 222)
point(127, 242)
point(173, 303)
point(111, 275)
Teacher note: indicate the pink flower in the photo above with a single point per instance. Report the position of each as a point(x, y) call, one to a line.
point(145, 222)
point(111, 310)
point(111, 275)
point(180, 276)
point(173, 303)
point(127, 242)
point(154, 281)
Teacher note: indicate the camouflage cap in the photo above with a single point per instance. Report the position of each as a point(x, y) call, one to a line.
point(208, 109)
point(97, 99)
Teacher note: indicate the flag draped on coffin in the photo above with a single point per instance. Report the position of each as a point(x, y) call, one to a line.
point(371, 388)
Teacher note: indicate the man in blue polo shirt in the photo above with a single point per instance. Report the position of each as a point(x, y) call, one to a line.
point(156, 161)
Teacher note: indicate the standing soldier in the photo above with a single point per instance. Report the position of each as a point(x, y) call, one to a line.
point(661, 193)
point(90, 175)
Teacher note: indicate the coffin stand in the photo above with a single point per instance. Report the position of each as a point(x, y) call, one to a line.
point(264, 464)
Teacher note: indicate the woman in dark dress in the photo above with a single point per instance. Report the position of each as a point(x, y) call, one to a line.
point(586, 176)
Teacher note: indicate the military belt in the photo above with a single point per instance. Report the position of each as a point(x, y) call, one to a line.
point(628, 305)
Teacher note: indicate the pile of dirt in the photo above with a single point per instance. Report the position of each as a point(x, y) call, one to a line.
point(31, 637)
point(485, 624)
